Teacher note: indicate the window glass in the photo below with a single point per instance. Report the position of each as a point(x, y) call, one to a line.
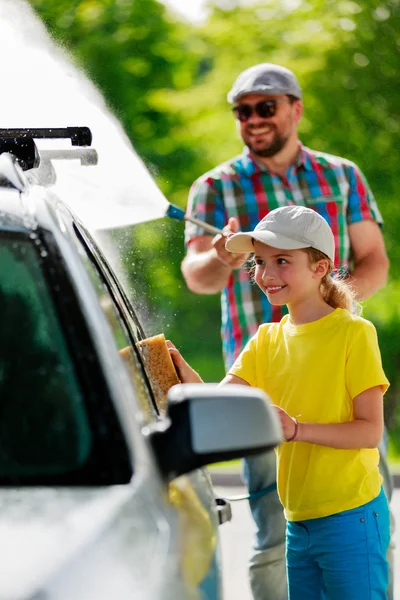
point(44, 428)
point(124, 341)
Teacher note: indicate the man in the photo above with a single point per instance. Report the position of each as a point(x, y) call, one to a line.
point(275, 169)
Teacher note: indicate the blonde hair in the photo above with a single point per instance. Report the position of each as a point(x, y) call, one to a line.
point(336, 291)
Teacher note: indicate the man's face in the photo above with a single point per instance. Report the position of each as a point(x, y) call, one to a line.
point(266, 136)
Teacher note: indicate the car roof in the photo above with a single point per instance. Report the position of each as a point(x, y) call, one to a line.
point(26, 207)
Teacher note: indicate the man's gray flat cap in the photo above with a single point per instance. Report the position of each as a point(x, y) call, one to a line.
point(265, 78)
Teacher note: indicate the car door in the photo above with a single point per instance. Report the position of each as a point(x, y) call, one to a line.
point(190, 495)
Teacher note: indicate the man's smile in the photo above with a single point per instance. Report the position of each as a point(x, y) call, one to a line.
point(260, 130)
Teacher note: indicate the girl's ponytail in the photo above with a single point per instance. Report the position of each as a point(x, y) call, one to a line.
point(336, 291)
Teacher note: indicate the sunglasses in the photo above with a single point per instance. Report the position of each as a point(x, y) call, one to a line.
point(264, 109)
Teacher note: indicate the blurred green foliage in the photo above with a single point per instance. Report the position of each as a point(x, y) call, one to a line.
point(167, 82)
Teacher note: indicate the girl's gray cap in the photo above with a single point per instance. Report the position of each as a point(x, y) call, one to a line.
point(265, 78)
point(287, 228)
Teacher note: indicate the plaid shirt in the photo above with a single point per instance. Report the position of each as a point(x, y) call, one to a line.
point(242, 188)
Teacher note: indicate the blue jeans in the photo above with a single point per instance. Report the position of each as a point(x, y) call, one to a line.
point(342, 556)
point(267, 567)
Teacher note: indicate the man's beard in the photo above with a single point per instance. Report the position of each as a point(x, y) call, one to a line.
point(277, 145)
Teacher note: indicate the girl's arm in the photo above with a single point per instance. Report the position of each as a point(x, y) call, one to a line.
point(233, 379)
point(364, 432)
point(188, 375)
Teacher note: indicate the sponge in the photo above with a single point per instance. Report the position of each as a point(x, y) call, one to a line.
point(159, 367)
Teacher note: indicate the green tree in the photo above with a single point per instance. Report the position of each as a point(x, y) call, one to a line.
point(167, 81)
point(138, 56)
point(346, 55)
point(131, 49)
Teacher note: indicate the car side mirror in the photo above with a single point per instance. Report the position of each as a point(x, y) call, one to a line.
point(207, 423)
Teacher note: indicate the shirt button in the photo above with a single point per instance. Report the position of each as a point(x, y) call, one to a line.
point(362, 520)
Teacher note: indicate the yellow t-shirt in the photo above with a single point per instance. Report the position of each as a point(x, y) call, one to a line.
point(314, 371)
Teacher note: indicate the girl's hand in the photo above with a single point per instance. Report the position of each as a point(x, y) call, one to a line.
point(185, 372)
point(287, 423)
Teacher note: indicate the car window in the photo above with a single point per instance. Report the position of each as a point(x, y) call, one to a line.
point(123, 334)
point(44, 428)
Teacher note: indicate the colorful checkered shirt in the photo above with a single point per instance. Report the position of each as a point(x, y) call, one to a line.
point(242, 188)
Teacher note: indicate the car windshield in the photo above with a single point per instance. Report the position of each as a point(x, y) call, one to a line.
point(44, 428)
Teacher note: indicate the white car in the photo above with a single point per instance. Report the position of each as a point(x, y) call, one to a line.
point(101, 497)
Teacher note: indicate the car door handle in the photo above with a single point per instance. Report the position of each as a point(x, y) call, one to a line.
point(224, 510)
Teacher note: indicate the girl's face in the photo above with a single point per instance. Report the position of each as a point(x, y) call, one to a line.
point(286, 276)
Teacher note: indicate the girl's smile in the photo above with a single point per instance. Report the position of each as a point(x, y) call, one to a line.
point(274, 289)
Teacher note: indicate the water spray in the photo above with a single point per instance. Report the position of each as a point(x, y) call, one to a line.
point(22, 144)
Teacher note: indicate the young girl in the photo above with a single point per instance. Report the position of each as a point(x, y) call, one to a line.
point(321, 368)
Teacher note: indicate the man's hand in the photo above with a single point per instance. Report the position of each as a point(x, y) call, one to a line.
point(230, 259)
point(207, 267)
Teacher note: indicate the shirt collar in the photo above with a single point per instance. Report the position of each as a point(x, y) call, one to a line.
point(303, 158)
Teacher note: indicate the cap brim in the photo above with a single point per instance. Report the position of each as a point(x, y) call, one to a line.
point(263, 90)
point(241, 243)
point(267, 91)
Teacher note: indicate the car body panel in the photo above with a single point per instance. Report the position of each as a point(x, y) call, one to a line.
point(158, 539)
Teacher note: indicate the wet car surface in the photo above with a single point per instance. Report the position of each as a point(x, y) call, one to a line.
point(95, 500)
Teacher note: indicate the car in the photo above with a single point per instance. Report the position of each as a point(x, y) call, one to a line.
point(101, 495)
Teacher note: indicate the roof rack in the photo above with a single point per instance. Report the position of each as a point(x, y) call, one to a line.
point(79, 136)
point(20, 142)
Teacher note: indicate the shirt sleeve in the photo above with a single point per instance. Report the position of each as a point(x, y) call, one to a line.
point(361, 202)
point(205, 203)
point(245, 366)
point(364, 364)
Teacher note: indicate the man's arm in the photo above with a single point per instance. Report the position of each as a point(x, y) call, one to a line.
point(207, 266)
point(202, 268)
point(371, 264)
